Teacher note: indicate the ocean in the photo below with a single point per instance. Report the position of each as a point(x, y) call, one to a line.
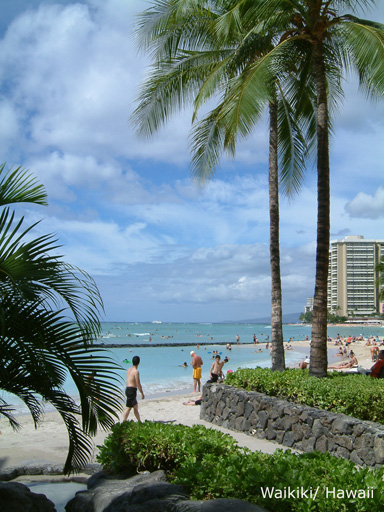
point(164, 347)
point(160, 369)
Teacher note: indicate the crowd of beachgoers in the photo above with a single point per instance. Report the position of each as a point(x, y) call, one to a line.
point(355, 352)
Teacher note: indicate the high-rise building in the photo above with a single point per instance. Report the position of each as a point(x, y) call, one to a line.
point(352, 279)
point(309, 307)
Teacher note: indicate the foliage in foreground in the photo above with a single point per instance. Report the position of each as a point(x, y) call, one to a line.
point(337, 392)
point(49, 318)
point(211, 465)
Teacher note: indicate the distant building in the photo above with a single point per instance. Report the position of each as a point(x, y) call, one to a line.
point(352, 288)
point(309, 307)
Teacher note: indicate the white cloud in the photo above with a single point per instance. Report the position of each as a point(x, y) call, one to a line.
point(101, 247)
point(72, 177)
point(125, 208)
point(215, 283)
point(367, 206)
point(75, 74)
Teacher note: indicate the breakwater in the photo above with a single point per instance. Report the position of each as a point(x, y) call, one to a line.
point(176, 344)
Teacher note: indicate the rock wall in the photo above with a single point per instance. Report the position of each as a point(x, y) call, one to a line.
point(293, 425)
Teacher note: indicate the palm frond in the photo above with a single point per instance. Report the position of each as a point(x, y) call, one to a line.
point(365, 43)
point(292, 149)
point(7, 411)
point(247, 94)
point(166, 27)
point(32, 270)
point(49, 319)
point(172, 87)
point(207, 141)
point(230, 20)
point(19, 186)
point(39, 350)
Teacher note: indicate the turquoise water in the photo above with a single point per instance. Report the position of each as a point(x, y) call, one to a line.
point(160, 368)
point(58, 492)
point(172, 333)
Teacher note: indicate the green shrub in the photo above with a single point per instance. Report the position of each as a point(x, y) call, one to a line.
point(356, 395)
point(150, 446)
point(212, 465)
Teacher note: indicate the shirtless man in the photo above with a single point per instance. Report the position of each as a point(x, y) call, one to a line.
point(133, 384)
point(216, 369)
point(196, 363)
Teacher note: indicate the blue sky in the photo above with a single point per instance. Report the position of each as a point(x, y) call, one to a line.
point(160, 246)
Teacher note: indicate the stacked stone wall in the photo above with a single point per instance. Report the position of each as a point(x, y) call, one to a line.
point(294, 425)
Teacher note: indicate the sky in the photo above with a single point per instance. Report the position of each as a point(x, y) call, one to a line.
point(159, 245)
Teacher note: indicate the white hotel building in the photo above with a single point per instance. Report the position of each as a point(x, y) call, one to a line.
point(352, 288)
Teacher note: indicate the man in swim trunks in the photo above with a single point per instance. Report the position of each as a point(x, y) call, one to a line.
point(133, 383)
point(196, 363)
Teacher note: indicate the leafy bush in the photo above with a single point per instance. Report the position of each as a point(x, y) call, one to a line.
point(150, 446)
point(337, 392)
point(212, 465)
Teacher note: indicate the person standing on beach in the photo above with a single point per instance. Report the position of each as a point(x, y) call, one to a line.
point(196, 363)
point(374, 352)
point(133, 384)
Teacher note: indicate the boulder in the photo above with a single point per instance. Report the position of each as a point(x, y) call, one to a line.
point(103, 490)
point(146, 493)
point(17, 497)
point(219, 505)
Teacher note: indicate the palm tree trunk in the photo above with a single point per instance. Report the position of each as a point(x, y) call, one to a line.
point(278, 357)
point(319, 355)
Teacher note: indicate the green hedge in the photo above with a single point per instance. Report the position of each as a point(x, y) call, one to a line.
point(212, 465)
point(356, 395)
point(149, 446)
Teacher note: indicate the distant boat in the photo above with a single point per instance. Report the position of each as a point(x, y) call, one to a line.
point(157, 322)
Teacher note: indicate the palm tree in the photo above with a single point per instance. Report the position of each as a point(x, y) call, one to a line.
point(49, 318)
point(203, 51)
point(329, 41)
point(380, 279)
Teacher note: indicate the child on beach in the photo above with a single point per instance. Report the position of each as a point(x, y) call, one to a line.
point(216, 369)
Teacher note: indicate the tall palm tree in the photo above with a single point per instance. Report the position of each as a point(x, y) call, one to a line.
point(380, 279)
point(49, 318)
point(330, 42)
point(203, 50)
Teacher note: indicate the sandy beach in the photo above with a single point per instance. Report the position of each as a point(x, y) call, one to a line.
point(48, 443)
point(361, 350)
